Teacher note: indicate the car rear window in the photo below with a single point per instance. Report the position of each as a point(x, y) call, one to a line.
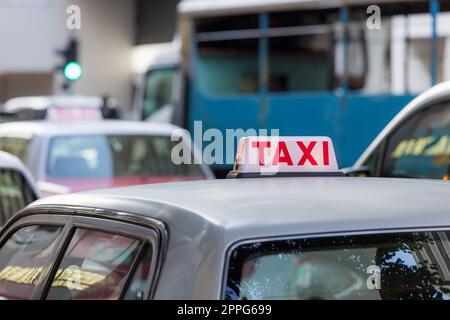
point(116, 156)
point(380, 267)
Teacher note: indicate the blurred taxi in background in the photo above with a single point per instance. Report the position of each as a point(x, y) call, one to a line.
point(17, 187)
point(288, 225)
point(62, 108)
point(81, 155)
point(415, 144)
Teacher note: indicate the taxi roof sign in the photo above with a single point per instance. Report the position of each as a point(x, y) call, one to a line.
point(285, 156)
point(70, 113)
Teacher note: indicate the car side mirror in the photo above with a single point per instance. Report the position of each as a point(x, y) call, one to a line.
point(362, 171)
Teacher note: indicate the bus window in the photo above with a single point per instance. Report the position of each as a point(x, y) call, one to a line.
point(291, 58)
point(396, 55)
point(227, 23)
point(236, 62)
point(419, 67)
point(302, 44)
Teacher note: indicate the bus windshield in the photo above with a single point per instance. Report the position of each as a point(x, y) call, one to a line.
point(159, 84)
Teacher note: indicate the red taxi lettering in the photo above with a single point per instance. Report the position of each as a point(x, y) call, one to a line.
point(326, 154)
point(282, 155)
point(261, 145)
point(307, 156)
point(273, 155)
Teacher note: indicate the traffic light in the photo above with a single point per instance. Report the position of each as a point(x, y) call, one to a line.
point(73, 71)
point(71, 67)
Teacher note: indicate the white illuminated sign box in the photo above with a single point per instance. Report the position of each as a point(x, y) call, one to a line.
point(272, 155)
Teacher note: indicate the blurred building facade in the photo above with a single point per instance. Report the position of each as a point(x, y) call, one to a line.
point(111, 32)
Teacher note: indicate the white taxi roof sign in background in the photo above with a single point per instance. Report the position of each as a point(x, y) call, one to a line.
point(65, 113)
point(273, 155)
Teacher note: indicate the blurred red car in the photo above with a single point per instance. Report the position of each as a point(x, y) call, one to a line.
point(70, 156)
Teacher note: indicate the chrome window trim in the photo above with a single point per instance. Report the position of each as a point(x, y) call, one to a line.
point(156, 226)
point(363, 232)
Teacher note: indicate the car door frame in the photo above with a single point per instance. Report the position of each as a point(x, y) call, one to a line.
point(147, 230)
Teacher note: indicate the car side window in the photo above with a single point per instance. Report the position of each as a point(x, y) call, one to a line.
point(372, 161)
point(15, 146)
point(420, 147)
point(23, 258)
point(96, 265)
point(136, 287)
point(15, 194)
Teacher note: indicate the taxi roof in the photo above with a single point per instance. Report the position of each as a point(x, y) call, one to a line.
point(44, 102)
point(267, 207)
point(59, 128)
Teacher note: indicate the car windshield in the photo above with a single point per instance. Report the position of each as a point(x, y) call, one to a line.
point(379, 267)
point(115, 157)
point(158, 90)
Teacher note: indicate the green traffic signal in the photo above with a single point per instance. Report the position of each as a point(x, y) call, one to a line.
point(73, 71)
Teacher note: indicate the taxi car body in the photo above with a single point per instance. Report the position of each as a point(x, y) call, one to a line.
point(416, 143)
point(270, 238)
point(72, 156)
point(245, 238)
point(17, 187)
point(59, 108)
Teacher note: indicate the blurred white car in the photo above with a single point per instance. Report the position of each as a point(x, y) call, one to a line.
point(17, 187)
point(416, 143)
point(76, 156)
point(61, 108)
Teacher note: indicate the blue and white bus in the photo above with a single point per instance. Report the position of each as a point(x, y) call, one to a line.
point(306, 67)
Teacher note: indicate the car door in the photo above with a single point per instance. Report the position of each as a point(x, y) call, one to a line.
point(417, 148)
point(60, 257)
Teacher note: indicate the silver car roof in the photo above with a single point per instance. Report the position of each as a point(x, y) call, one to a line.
point(205, 220)
point(435, 94)
point(279, 206)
